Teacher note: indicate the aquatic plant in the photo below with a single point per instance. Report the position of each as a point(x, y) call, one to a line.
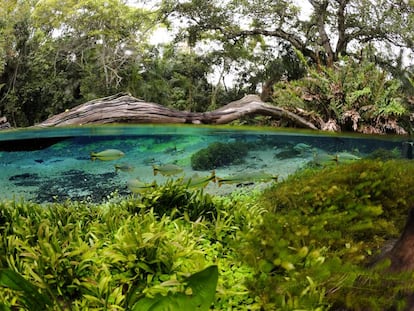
point(219, 154)
point(201, 284)
point(322, 228)
point(202, 288)
point(301, 244)
point(109, 256)
point(175, 199)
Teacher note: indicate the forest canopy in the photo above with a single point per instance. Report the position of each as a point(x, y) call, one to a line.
point(346, 63)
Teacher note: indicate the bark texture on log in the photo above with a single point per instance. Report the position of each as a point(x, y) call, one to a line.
point(123, 108)
point(4, 124)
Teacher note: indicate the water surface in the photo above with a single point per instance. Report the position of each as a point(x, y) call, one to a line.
point(54, 164)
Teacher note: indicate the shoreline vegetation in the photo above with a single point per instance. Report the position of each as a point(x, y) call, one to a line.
point(307, 242)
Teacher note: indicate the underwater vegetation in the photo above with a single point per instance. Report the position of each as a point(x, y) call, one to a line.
point(177, 200)
point(323, 228)
point(305, 243)
point(120, 255)
point(219, 154)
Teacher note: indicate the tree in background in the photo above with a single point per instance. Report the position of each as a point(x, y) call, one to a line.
point(376, 33)
point(172, 76)
point(58, 53)
point(332, 27)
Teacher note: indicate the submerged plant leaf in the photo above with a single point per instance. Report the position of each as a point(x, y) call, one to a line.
point(31, 297)
point(202, 286)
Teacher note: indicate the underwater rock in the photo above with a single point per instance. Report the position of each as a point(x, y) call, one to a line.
point(75, 185)
point(78, 185)
point(25, 179)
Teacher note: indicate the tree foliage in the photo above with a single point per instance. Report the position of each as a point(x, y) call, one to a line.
point(57, 54)
point(332, 27)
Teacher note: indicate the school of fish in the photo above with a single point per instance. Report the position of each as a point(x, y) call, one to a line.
point(138, 186)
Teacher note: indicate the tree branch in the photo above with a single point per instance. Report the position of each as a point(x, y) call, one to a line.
point(122, 108)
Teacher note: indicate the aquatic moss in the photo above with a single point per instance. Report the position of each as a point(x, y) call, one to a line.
point(322, 228)
point(219, 154)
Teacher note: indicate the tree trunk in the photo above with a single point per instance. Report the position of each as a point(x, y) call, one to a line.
point(123, 108)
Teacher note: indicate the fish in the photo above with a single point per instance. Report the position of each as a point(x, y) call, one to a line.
point(302, 147)
point(323, 159)
point(346, 156)
point(124, 167)
point(138, 186)
point(107, 155)
point(341, 157)
point(247, 178)
point(199, 181)
point(167, 169)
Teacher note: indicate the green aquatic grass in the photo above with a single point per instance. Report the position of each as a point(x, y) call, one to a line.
point(301, 244)
point(106, 256)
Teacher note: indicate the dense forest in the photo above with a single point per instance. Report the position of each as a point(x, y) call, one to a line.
point(344, 64)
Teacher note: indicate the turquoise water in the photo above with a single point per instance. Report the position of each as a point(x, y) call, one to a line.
point(54, 164)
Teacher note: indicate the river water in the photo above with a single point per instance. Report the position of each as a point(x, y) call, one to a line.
point(54, 164)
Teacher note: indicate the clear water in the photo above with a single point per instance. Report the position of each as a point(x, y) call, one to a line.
point(54, 164)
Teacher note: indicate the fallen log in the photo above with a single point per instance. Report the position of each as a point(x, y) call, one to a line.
point(123, 108)
point(4, 124)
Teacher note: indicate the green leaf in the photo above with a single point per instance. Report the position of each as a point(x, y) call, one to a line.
point(31, 297)
point(202, 286)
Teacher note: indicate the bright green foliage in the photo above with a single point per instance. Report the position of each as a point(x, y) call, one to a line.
point(172, 77)
point(30, 296)
point(56, 54)
point(176, 200)
point(356, 94)
point(304, 243)
point(201, 288)
point(108, 256)
point(219, 154)
point(323, 226)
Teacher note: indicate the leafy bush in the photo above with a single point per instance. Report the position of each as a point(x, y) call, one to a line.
point(322, 228)
point(219, 154)
point(356, 95)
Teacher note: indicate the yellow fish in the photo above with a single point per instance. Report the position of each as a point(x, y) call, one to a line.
point(199, 181)
point(125, 167)
point(247, 178)
point(167, 169)
point(346, 157)
point(137, 186)
point(107, 155)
